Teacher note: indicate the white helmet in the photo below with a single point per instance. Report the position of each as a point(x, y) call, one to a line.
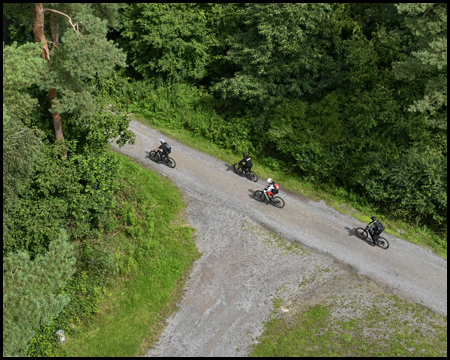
point(269, 180)
point(161, 141)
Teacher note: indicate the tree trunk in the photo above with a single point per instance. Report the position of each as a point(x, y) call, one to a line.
point(38, 31)
point(39, 36)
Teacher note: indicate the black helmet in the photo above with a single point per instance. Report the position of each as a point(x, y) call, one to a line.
point(245, 154)
point(373, 218)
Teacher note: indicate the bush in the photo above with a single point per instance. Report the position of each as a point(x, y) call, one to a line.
point(76, 194)
point(96, 269)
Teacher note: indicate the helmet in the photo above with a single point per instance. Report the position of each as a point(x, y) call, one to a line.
point(269, 180)
point(245, 154)
point(373, 218)
point(161, 141)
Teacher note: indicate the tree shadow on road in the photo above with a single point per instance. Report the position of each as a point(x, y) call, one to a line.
point(352, 232)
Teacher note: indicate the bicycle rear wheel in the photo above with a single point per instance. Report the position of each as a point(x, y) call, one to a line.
point(259, 195)
point(361, 233)
point(278, 202)
point(154, 156)
point(171, 162)
point(237, 169)
point(382, 243)
point(252, 176)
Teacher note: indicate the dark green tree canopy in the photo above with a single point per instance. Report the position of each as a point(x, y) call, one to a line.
point(171, 41)
point(427, 63)
point(282, 51)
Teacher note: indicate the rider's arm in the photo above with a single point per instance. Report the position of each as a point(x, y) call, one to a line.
point(269, 188)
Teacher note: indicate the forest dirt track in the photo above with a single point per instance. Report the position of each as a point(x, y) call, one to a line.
point(232, 286)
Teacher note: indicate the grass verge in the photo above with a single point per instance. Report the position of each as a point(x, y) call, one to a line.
point(155, 250)
point(346, 326)
point(338, 198)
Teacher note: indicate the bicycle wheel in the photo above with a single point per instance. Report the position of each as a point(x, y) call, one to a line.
point(252, 176)
point(362, 233)
point(237, 169)
point(154, 156)
point(382, 243)
point(259, 195)
point(171, 162)
point(278, 202)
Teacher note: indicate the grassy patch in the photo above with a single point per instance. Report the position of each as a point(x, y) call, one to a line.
point(154, 250)
point(337, 198)
point(347, 326)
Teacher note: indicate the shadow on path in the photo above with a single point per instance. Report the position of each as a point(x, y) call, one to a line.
point(352, 232)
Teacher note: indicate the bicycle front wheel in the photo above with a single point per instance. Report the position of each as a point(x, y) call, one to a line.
point(154, 156)
point(259, 195)
point(278, 202)
point(362, 233)
point(237, 169)
point(252, 176)
point(171, 162)
point(382, 243)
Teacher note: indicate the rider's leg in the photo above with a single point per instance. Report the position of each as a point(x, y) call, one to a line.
point(375, 236)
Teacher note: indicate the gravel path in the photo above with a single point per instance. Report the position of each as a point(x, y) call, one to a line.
point(232, 286)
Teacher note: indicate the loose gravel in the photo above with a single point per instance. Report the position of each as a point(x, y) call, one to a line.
point(254, 253)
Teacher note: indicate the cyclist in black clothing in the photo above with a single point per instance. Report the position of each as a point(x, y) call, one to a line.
point(164, 149)
point(246, 163)
point(375, 228)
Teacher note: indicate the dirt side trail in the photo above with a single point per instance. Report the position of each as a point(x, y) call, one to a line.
point(232, 286)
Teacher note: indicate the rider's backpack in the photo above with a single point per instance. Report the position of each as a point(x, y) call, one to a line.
point(167, 147)
point(380, 227)
point(275, 190)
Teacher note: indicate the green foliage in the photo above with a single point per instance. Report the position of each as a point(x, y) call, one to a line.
point(174, 42)
point(304, 136)
point(282, 52)
point(75, 194)
point(428, 59)
point(96, 269)
point(76, 60)
point(31, 292)
point(22, 68)
point(20, 148)
point(189, 107)
point(19, 34)
point(416, 183)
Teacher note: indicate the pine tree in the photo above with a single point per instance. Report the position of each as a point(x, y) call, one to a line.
point(21, 68)
point(78, 51)
point(31, 292)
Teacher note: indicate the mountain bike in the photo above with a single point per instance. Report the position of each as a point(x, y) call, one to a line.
point(276, 201)
point(239, 169)
point(156, 157)
point(364, 233)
